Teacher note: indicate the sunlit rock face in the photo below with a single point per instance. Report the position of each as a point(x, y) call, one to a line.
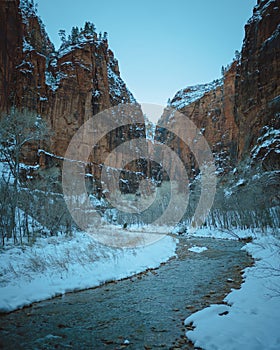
point(239, 114)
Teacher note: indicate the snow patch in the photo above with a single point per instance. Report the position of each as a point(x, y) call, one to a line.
point(197, 249)
point(259, 11)
point(27, 9)
point(117, 86)
point(250, 319)
point(268, 142)
point(191, 94)
point(56, 265)
point(26, 46)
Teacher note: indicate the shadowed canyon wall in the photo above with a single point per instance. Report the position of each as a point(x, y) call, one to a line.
point(239, 114)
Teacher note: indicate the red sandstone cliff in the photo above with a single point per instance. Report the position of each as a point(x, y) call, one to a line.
point(258, 85)
point(211, 108)
point(239, 116)
point(66, 87)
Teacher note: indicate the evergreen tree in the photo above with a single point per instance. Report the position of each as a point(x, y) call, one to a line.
point(62, 35)
point(89, 28)
point(75, 35)
point(237, 55)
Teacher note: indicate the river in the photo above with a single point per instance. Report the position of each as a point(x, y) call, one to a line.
point(146, 311)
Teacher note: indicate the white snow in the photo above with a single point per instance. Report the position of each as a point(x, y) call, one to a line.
point(65, 50)
point(27, 10)
point(5, 172)
point(224, 234)
point(227, 193)
point(56, 265)
point(250, 318)
point(275, 34)
point(29, 167)
point(191, 94)
point(26, 46)
point(51, 81)
point(240, 182)
point(259, 11)
point(96, 93)
point(117, 85)
point(267, 143)
point(197, 249)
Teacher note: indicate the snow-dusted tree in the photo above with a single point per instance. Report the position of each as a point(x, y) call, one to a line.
point(237, 55)
point(89, 28)
point(18, 129)
point(6, 205)
point(29, 6)
point(62, 35)
point(75, 35)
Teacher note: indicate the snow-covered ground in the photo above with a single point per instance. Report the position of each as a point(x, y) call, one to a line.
point(250, 318)
point(56, 265)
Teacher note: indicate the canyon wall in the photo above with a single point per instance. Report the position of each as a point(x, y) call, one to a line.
point(257, 106)
point(239, 114)
point(67, 87)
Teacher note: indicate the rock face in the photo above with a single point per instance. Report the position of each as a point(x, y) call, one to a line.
point(239, 115)
point(211, 108)
point(11, 43)
point(66, 87)
point(257, 85)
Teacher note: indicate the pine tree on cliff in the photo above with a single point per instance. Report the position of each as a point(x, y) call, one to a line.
point(89, 28)
point(75, 35)
point(62, 35)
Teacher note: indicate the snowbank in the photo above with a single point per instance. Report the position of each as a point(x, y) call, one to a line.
point(250, 319)
point(224, 233)
point(56, 265)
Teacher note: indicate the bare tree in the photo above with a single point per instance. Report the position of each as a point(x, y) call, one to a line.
point(18, 129)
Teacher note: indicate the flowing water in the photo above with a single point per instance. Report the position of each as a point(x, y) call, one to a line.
point(142, 312)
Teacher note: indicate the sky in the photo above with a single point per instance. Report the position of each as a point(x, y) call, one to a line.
point(162, 46)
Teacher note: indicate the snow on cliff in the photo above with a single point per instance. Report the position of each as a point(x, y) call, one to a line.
point(191, 94)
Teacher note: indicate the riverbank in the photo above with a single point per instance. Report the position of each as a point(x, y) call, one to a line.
point(56, 265)
point(249, 317)
point(146, 310)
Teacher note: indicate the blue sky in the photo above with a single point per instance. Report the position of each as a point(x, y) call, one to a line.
point(161, 45)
